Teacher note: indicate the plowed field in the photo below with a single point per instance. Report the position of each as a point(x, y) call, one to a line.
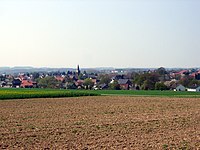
point(104, 122)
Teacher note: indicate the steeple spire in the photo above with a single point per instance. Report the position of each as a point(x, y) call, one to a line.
point(78, 70)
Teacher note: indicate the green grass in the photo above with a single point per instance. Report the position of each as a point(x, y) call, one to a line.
point(148, 93)
point(53, 93)
point(41, 93)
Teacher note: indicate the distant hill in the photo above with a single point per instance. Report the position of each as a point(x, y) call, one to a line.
point(12, 70)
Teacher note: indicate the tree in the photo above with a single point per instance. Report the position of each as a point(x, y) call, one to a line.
point(146, 81)
point(68, 79)
point(160, 86)
point(105, 79)
point(84, 72)
point(35, 75)
point(186, 81)
point(80, 76)
point(193, 83)
point(114, 86)
point(148, 85)
point(139, 79)
point(88, 83)
point(2, 78)
point(133, 75)
point(48, 82)
point(197, 76)
point(71, 85)
point(161, 71)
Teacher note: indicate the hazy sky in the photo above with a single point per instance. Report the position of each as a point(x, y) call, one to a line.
point(100, 33)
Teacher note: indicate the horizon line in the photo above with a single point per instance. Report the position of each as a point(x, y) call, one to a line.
point(10, 67)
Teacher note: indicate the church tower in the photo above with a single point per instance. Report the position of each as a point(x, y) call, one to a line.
point(78, 70)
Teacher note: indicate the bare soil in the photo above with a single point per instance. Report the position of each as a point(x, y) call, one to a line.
point(104, 122)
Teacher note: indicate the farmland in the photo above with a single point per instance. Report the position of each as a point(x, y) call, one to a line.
point(13, 93)
point(154, 93)
point(41, 93)
point(100, 122)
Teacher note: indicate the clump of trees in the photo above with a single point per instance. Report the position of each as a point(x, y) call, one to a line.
point(189, 82)
point(114, 86)
point(104, 79)
point(146, 81)
point(151, 80)
point(160, 86)
point(48, 82)
point(88, 83)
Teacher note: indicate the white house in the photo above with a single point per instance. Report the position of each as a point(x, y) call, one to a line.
point(198, 89)
point(180, 88)
point(191, 90)
point(195, 89)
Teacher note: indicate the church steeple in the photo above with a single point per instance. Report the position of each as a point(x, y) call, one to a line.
point(78, 70)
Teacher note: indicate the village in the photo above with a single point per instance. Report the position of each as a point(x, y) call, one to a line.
point(157, 79)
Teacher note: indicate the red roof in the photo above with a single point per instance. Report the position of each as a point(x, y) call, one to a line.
point(183, 71)
point(59, 78)
point(79, 82)
point(27, 83)
point(193, 75)
point(94, 80)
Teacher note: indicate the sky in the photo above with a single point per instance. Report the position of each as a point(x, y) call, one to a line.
point(100, 33)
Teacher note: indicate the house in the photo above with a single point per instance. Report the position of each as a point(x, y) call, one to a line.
point(180, 88)
point(183, 72)
point(91, 76)
point(171, 84)
point(2, 83)
point(73, 77)
point(16, 83)
point(8, 85)
point(193, 75)
point(194, 89)
point(94, 81)
point(59, 78)
point(103, 86)
point(198, 89)
point(27, 84)
point(135, 87)
point(79, 83)
point(124, 84)
point(117, 77)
